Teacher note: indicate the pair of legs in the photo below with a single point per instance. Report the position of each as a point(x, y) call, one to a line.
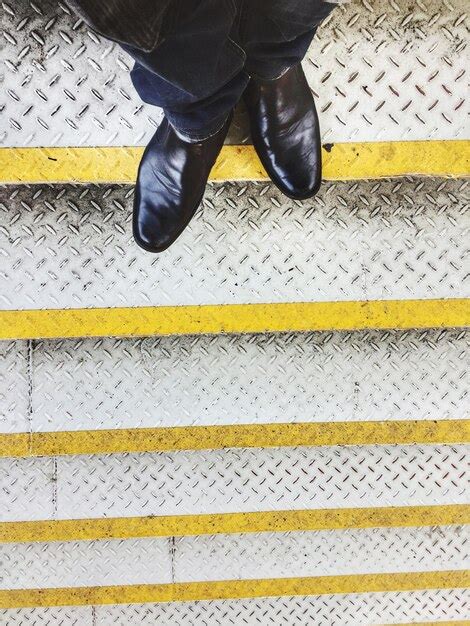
point(210, 50)
point(212, 53)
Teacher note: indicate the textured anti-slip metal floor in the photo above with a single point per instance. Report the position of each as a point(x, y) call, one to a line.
point(232, 480)
point(68, 246)
point(229, 557)
point(381, 71)
point(89, 384)
point(362, 521)
point(337, 610)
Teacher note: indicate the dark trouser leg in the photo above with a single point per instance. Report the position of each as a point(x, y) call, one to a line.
point(197, 73)
point(276, 34)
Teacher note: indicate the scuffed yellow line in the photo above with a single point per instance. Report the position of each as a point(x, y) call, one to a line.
point(164, 439)
point(229, 523)
point(233, 589)
point(341, 161)
point(234, 318)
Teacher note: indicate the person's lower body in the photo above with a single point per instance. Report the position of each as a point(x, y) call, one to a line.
point(213, 52)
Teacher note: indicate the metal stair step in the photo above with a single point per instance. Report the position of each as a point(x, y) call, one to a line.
point(69, 247)
point(322, 562)
point(56, 395)
point(229, 557)
point(231, 480)
point(348, 609)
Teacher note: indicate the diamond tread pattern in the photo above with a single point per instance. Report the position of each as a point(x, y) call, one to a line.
point(229, 557)
point(335, 610)
point(90, 384)
point(71, 246)
point(232, 480)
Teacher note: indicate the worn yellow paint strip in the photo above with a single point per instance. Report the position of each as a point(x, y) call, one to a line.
point(400, 432)
point(15, 445)
point(227, 523)
point(233, 589)
point(349, 161)
point(234, 318)
point(344, 161)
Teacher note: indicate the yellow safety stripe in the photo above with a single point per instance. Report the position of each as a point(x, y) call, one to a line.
point(229, 523)
point(163, 439)
point(234, 318)
point(233, 589)
point(341, 161)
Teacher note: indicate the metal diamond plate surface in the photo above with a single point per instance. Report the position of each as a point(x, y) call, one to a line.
point(184, 381)
point(250, 480)
point(27, 489)
point(320, 553)
point(80, 564)
point(348, 610)
point(71, 247)
point(228, 557)
point(51, 616)
point(380, 71)
point(232, 481)
point(15, 386)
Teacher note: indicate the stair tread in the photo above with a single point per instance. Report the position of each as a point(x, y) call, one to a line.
point(66, 246)
point(89, 384)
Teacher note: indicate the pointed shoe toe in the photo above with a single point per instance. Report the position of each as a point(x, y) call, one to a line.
point(170, 185)
point(299, 185)
point(151, 237)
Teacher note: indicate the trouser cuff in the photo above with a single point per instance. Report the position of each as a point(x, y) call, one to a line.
point(196, 135)
point(275, 76)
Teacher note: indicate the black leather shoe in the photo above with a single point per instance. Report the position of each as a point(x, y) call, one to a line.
point(286, 132)
point(170, 185)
